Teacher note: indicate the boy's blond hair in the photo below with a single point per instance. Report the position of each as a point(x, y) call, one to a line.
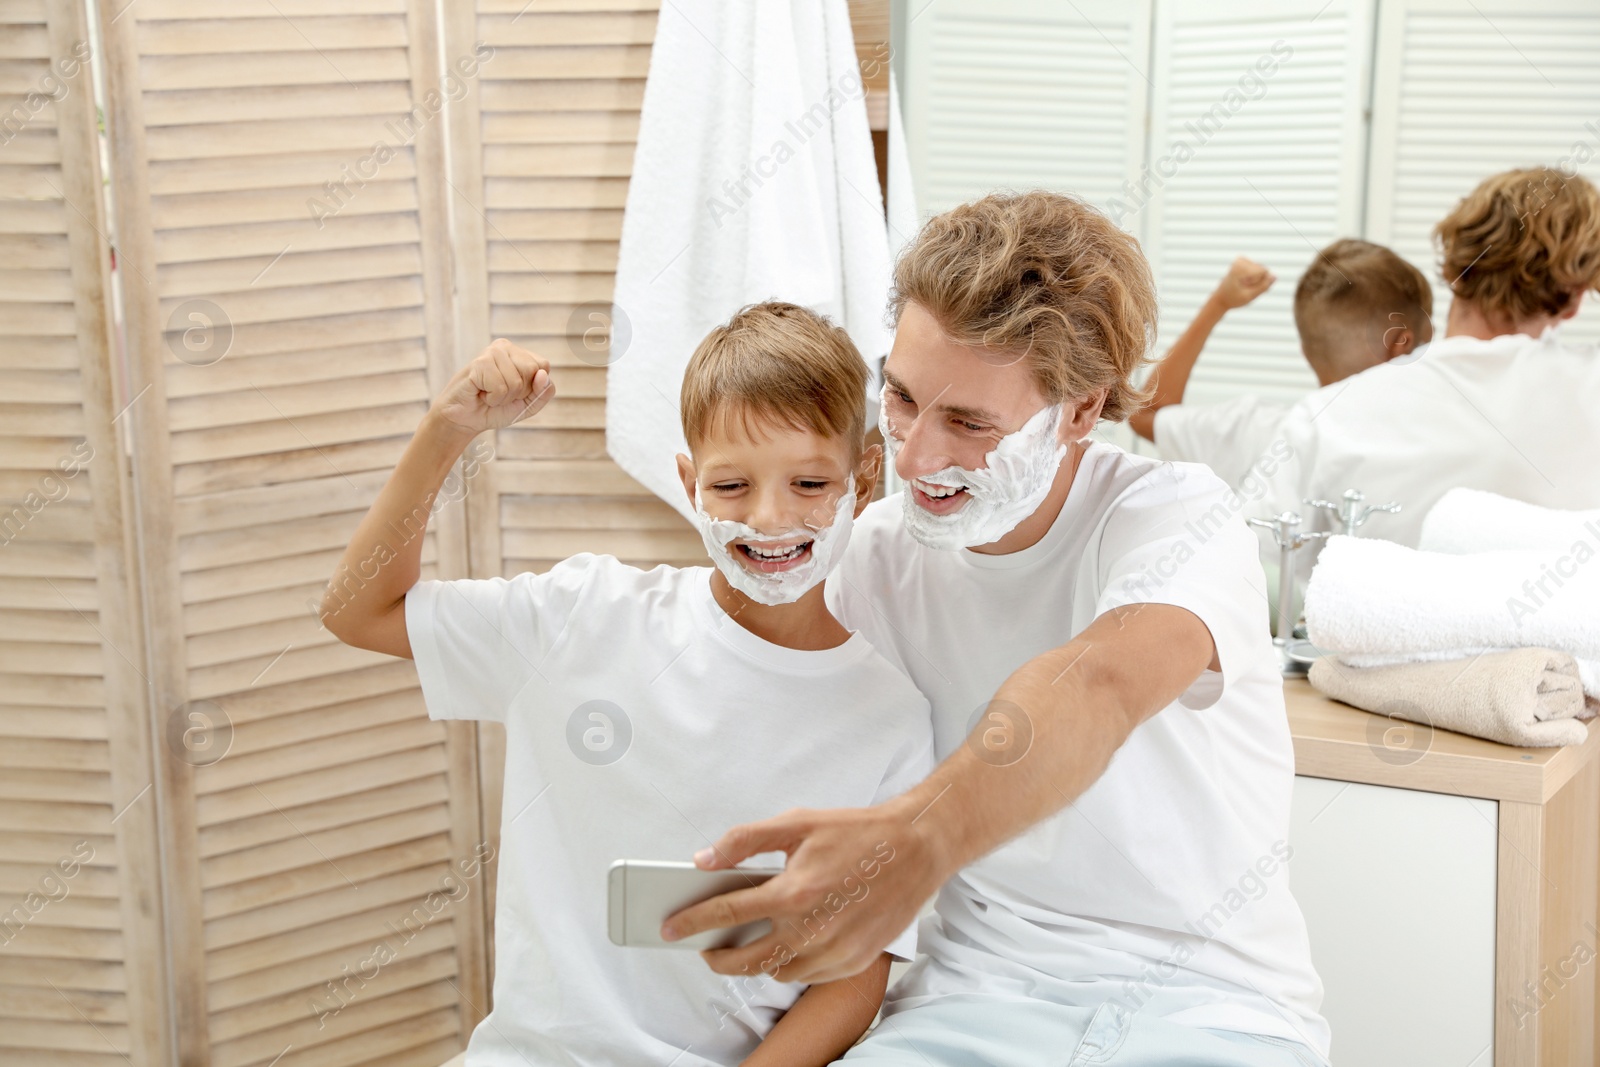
point(1348, 300)
point(1043, 275)
point(1522, 243)
point(781, 363)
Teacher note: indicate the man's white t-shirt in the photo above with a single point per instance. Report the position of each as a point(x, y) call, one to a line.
point(1163, 886)
point(1514, 415)
point(642, 722)
point(1229, 436)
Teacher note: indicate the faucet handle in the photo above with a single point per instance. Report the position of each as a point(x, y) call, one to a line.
point(1348, 510)
point(1369, 512)
point(1286, 532)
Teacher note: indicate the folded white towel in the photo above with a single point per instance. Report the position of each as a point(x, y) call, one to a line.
point(1472, 520)
point(1373, 602)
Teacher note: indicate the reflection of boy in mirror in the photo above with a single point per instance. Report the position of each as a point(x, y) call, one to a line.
point(1357, 305)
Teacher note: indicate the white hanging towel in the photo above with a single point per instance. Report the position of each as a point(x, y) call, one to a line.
point(753, 179)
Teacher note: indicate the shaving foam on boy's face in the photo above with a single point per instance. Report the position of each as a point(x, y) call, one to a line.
point(777, 568)
point(774, 514)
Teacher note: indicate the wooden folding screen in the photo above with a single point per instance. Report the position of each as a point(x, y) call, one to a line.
point(273, 852)
point(541, 174)
point(278, 183)
point(81, 977)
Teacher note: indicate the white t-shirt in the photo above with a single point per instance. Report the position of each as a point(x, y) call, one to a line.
point(1514, 415)
point(1228, 436)
point(1185, 834)
point(642, 722)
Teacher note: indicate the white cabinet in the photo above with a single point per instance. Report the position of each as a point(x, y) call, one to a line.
point(1398, 890)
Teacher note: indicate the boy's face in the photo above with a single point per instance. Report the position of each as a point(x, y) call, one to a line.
point(776, 479)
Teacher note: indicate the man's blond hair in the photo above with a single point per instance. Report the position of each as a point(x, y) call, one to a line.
point(1045, 277)
point(1523, 243)
point(779, 363)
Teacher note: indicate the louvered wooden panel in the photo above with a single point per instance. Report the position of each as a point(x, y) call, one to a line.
point(1274, 170)
point(287, 299)
point(543, 176)
point(1019, 94)
point(540, 166)
point(1467, 88)
point(81, 979)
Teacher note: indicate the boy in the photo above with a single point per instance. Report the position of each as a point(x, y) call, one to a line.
point(1357, 305)
point(645, 710)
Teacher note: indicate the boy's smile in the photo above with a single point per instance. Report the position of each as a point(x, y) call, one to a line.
point(769, 556)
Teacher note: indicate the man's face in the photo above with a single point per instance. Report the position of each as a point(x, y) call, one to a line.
point(949, 404)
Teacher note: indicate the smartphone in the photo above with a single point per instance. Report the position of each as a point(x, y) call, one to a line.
point(644, 892)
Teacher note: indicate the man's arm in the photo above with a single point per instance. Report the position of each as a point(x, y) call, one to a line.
point(1244, 281)
point(1070, 709)
point(364, 603)
point(825, 1021)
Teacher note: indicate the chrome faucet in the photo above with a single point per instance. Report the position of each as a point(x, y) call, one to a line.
point(1294, 656)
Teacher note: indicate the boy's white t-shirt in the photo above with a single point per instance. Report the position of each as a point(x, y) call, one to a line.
point(1163, 885)
point(1229, 436)
point(641, 723)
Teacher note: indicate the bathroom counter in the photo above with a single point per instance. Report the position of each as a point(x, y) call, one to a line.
point(1450, 887)
point(1334, 740)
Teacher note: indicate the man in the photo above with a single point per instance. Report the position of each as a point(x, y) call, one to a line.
point(1108, 821)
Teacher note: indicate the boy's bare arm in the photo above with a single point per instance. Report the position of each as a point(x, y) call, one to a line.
point(1244, 281)
point(826, 1020)
point(364, 603)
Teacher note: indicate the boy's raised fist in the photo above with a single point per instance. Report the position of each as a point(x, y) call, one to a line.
point(1246, 279)
point(502, 385)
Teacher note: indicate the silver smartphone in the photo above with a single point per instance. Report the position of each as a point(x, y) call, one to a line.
point(644, 892)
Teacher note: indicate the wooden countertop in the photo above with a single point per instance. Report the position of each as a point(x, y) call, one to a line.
point(1334, 740)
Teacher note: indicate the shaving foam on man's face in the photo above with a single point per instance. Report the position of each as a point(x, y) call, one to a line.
point(986, 448)
point(960, 508)
point(774, 515)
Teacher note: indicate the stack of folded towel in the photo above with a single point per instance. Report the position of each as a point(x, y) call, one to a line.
point(1491, 627)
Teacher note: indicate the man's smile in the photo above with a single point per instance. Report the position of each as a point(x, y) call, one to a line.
point(937, 499)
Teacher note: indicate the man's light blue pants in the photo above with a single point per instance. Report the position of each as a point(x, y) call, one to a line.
point(974, 1030)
